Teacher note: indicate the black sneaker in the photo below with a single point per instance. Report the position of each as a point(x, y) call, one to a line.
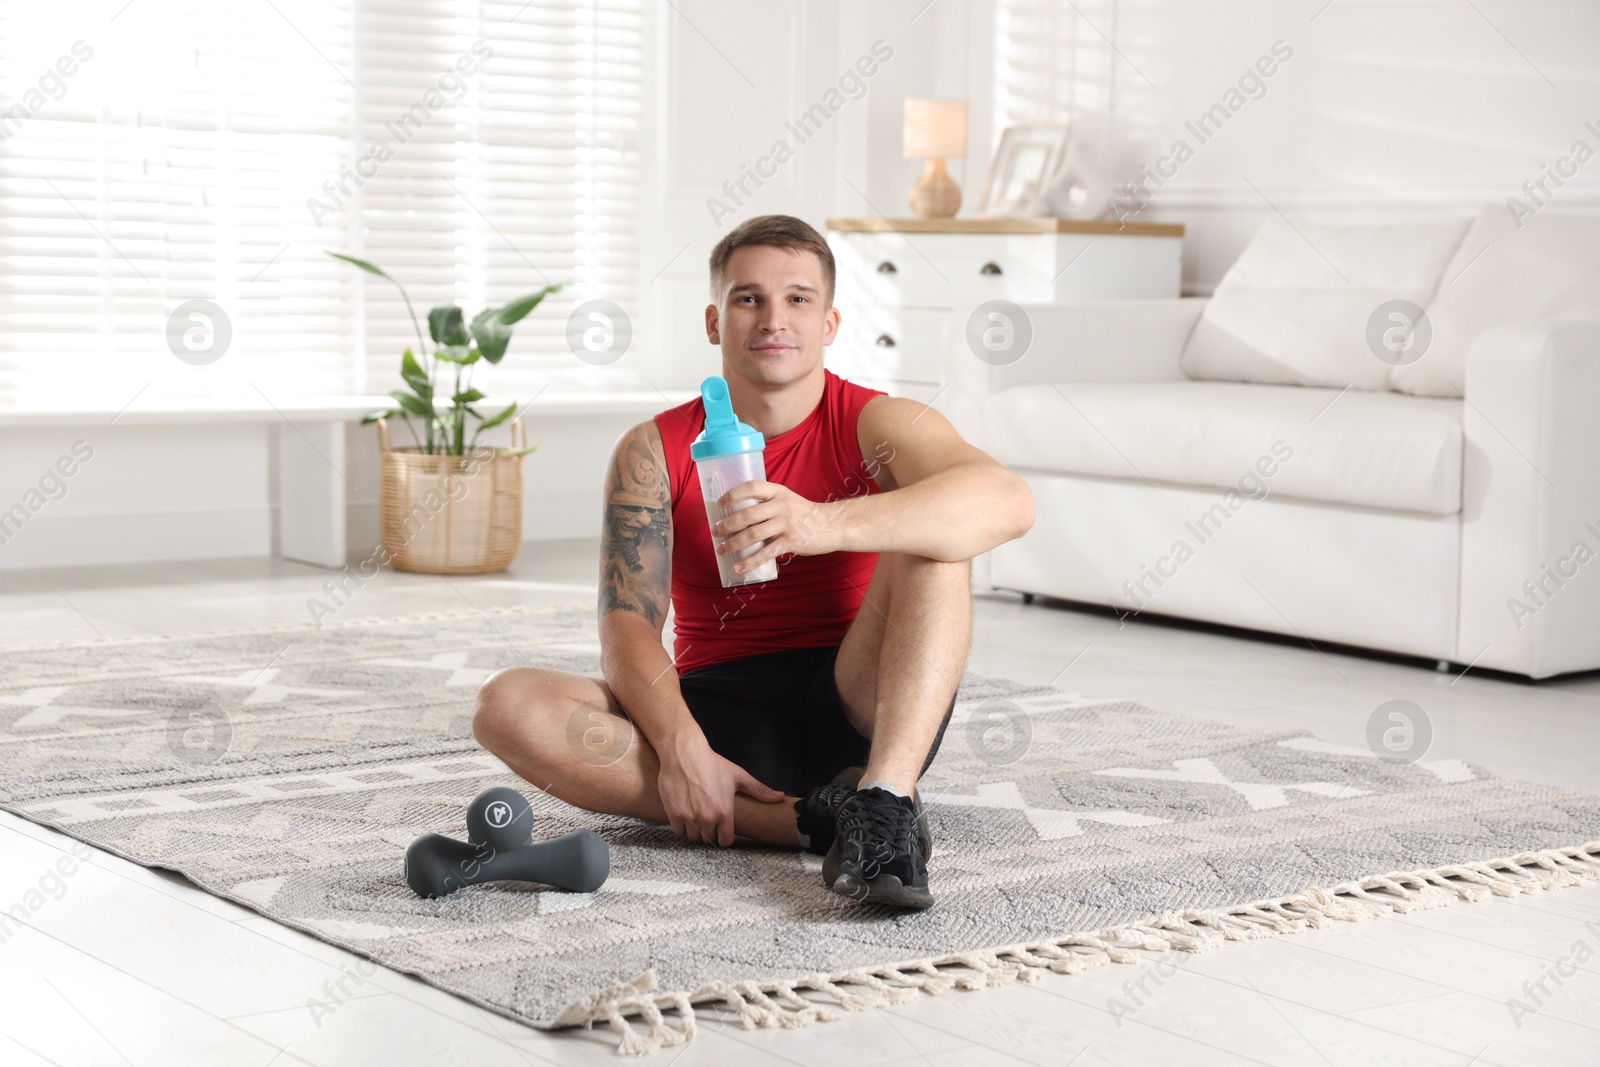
point(815, 812)
point(880, 854)
point(830, 862)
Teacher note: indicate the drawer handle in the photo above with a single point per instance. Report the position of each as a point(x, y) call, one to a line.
point(990, 267)
point(885, 341)
point(888, 267)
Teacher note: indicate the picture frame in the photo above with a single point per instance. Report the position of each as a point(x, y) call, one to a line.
point(1024, 162)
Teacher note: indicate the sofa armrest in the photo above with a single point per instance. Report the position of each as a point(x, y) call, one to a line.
point(1530, 508)
point(1083, 341)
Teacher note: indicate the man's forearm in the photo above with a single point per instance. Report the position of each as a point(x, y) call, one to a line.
point(952, 515)
point(641, 676)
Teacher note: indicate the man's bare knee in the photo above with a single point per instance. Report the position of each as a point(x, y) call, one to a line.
point(507, 703)
point(538, 721)
point(940, 579)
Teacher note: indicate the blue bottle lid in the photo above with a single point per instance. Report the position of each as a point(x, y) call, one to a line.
point(724, 434)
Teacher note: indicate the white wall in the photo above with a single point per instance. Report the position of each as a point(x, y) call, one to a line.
point(724, 78)
point(1388, 109)
point(143, 493)
point(727, 76)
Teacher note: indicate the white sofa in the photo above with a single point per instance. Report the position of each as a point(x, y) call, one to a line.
point(1249, 460)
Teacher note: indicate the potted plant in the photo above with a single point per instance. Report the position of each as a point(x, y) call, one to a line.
point(446, 504)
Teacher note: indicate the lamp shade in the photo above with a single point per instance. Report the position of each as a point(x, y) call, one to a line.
point(935, 129)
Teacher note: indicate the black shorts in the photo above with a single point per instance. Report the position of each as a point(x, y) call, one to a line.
point(779, 716)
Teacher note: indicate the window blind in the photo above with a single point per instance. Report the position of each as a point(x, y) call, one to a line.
point(178, 152)
point(157, 159)
point(515, 130)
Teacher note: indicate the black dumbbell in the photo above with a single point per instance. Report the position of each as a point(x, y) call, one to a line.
point(437, 866)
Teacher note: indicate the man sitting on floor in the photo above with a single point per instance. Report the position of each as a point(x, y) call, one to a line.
point(793, 717)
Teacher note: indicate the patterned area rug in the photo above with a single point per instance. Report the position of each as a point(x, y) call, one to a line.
point(288, 768)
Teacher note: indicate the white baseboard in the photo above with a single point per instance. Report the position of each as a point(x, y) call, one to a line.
point(199, 533)
point(139, 537)
point(558, 516)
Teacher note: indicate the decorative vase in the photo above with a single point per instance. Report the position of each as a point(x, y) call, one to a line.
point(934, 195)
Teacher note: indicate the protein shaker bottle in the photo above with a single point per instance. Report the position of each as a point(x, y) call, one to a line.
point(728, 453)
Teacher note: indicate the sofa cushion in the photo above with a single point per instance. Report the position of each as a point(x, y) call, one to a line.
point(1293, 309)
point(1380, 450)
point(1503, 274)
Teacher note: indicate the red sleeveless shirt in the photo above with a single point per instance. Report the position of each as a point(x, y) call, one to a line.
point(814, 598)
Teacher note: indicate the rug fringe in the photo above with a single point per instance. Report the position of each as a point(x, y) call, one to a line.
point(780, 1004)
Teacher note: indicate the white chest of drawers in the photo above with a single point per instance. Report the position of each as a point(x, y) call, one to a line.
point(899, 279)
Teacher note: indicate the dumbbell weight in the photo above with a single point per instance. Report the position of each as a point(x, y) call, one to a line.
point(437, 866)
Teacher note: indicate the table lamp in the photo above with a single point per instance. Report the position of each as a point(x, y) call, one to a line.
point(935, 130)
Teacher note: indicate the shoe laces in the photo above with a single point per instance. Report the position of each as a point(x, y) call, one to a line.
point(875, 830)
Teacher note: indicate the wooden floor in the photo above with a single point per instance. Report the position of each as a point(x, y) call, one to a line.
point(123, 965)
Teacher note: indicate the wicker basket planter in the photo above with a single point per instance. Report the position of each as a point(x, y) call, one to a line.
point(442, 514)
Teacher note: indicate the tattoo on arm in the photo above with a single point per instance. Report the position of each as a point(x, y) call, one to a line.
point(636, 541)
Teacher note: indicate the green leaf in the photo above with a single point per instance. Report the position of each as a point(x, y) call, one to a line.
point(457, 354)
point(380, 272)
point(419, 383)
point(410, 368)
point(518, 309)
point(374, 416)
point(363, 264)
point(466, 398)
point(409, 401)
point(495, 420)
point(491, 334)
point(445, 326)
